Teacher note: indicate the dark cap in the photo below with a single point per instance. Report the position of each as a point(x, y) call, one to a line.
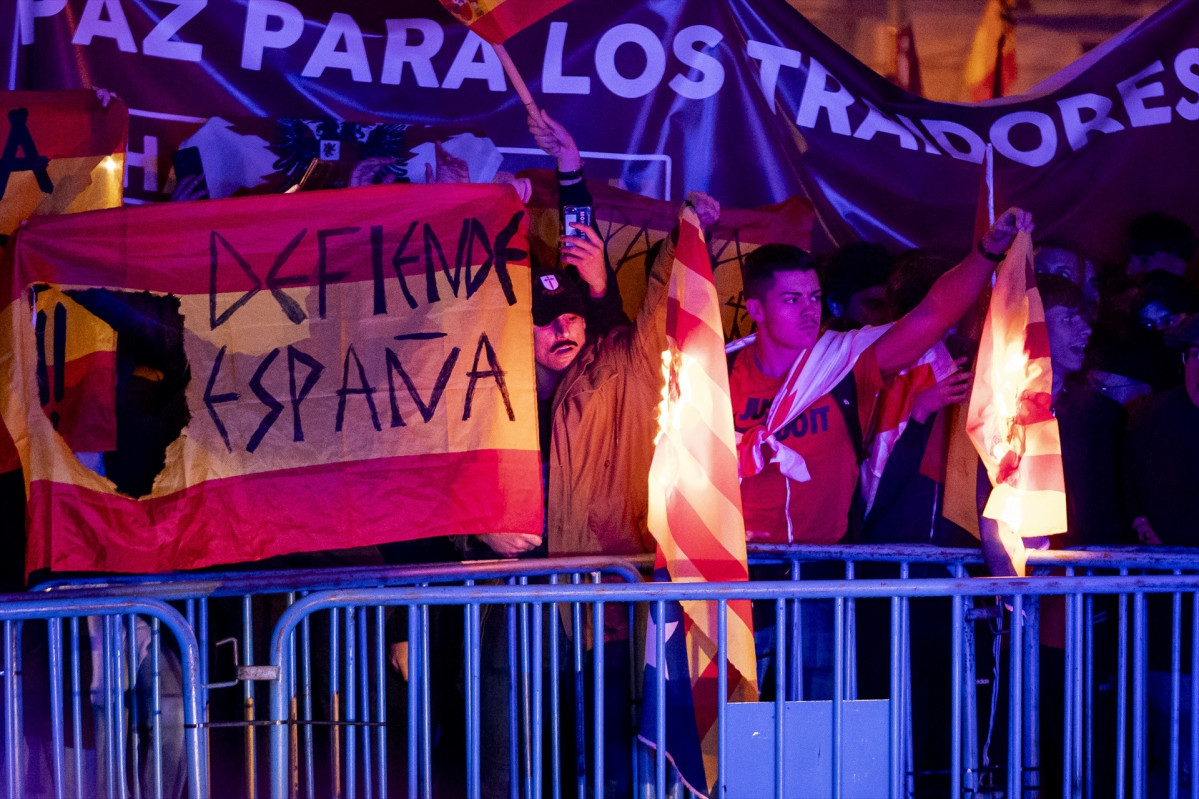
point(554, 293)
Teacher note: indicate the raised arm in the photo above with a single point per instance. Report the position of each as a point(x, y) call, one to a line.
point(950, 297)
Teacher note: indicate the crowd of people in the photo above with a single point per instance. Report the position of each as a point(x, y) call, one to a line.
point(832, 334)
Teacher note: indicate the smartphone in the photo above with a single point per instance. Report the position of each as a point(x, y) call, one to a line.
point(187, 162)
point(960, 346)
point(575, 214)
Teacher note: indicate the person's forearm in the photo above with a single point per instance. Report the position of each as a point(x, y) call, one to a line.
point(574, 193)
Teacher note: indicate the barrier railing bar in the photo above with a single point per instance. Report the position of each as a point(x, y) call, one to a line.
point(195, 585)
point(1136, 585)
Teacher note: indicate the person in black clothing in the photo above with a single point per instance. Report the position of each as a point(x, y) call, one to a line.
point(1161, 473)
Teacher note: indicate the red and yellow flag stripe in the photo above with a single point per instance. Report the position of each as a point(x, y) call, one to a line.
point(695, 496)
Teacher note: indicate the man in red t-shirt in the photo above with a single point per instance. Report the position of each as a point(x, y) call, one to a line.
point(783, 297)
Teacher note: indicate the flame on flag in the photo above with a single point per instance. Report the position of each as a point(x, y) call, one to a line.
point(1010, 419)
point(695, 502)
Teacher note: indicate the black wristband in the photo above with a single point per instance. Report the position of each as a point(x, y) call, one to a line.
point(573, 175)
point(993, 257)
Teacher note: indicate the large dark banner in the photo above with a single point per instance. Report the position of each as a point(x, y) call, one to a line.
point(743, 98)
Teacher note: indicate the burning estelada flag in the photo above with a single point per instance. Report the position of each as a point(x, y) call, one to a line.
point(496, 20)
point(320, 370)
point(695, 517)
point(991, 65)
point(1010, 419)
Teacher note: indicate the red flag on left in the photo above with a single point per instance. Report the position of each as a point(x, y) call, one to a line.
point(991, 66)
point(65, 152)
point(496, 20)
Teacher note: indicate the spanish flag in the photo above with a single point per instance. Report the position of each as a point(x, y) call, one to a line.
point(319, 370)
point(497, 20)
point(64, 152)
point(991, 66)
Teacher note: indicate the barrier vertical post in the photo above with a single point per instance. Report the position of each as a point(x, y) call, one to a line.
point(473, 722)
point(722, 694)
point(335, 703)
point(426, 702)
point(896, 705)
point(351, 669)
point(76, 708)
point(1139, 707)
point(1122, 696)
point(780, 708)
point(1015, 697)
point(1175, 688)
point(364, 704)
point(555, 700)
point(838, 694)
point(54, 637)
point(381, 663)
point(597, 681)
point(538, 670)
point(1031, 776)
point(957, 689)
point(306, 683)
point(1087, 773)
point(414, 700)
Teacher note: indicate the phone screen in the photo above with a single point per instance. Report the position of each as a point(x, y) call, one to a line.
point(575, 214)
point(187, 162)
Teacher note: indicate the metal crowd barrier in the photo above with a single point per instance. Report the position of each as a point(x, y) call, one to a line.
point(1090, 678)
point(45, 723)
point(1130, 765)
point(346, 684)
point(355, 747)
